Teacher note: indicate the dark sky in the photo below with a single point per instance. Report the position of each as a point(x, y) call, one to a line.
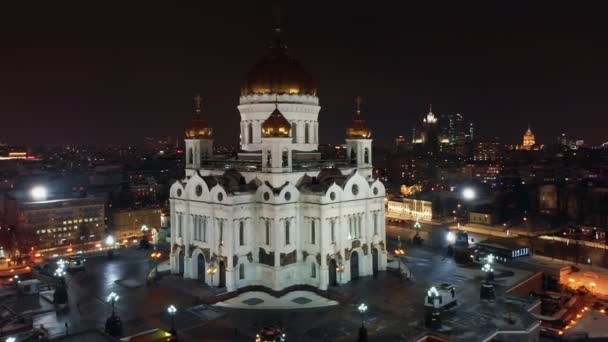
point(113, 72)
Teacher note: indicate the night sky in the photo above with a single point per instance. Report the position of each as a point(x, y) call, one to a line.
point(121, 71)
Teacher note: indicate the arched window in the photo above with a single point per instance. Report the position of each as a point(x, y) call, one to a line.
point(205, 229)
point(312, 232)
point(267, 232)
point(307, 133)
point(221, 228)
point(366, 156)
point(313, 270)
point(242, 233)
point(241, 271)
point(353, 156)
point(375, 223)
point(190, 156)
point(285, 158)
point(294, 132)
point(287, 232)
point(269, 158)
point(333, 231)
point(250, 133)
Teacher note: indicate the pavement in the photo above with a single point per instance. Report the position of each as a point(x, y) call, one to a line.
point(396, 309)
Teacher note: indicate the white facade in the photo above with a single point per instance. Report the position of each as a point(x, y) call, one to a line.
point(277, 215)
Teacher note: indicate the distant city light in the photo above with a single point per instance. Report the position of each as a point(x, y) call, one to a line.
point(468, 194)
point(39, 193)
point(110, 240)
point(451, 237)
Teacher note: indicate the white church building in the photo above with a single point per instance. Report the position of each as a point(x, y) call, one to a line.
point(277, 215)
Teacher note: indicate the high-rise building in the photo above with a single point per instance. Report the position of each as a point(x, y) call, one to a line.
point(278, 215)
point(487, 150)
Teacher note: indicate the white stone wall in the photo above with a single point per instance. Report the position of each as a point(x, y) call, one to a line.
point(194, 200)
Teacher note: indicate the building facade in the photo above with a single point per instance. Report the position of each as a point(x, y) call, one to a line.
point(278, 215)
point(57, 223)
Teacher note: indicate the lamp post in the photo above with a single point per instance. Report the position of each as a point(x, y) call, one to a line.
point(432, 305)
point(113, 323)
point(156, 257)
point(110, 243)
point(487, 288)
point(417, 238)
point(399, 252)
point(172, 310)
point(212, 270)
point(362, 308)
point(144, 243)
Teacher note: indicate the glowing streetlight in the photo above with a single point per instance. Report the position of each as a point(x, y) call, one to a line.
point(399, 252)
point(451, 237)
point(362, 310)
point(112, 298)
point(468, 194)
point(11, 339)
point(172, 310)
point(156, 256)
point(110, 240)
point(39, 193)
point(211, 271)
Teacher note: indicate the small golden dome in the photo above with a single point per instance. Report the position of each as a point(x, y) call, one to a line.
point(359, 128)
point(276, 126)
point(199, 127)
point(278, 73)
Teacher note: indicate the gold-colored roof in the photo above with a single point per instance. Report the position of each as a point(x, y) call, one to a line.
point(359, 128)
point(278, 73)
point(276, 126)
point(199, 127)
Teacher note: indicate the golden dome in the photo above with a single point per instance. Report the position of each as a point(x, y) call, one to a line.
point(278, 73)
point(199, 127)
point(276, 126)
point(359, 128)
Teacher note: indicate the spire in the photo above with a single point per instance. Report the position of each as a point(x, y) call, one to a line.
point(198, 103)
point(430, 107)
point(278, 42)
point(358, 102)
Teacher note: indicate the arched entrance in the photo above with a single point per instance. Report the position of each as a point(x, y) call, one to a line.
point(354, 265)
point(180, 261)
point(333, 281)
point(200, 265)
point(375, 260)
point(222, 274)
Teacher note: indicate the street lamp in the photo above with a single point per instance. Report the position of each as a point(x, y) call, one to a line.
point(11, 339)
point(113, 323)
point(211, 271)
point(156, 256)
point(487, 289)
point(112, 298)
point(362, 310)
point(399, 252)
point(110, 242)
point(39, 193)
point(172, 310)
point(468, 194)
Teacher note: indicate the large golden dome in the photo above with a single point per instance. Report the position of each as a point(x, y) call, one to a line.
point(199, 127)
point(359, 128)
point(278, 73)
point(276, 126)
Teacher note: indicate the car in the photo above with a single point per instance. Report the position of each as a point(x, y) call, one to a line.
point(75, 264)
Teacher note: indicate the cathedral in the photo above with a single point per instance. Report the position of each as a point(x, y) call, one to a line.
point(277, 215)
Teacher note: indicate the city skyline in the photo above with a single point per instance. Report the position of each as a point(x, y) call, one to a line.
point(117, 75)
